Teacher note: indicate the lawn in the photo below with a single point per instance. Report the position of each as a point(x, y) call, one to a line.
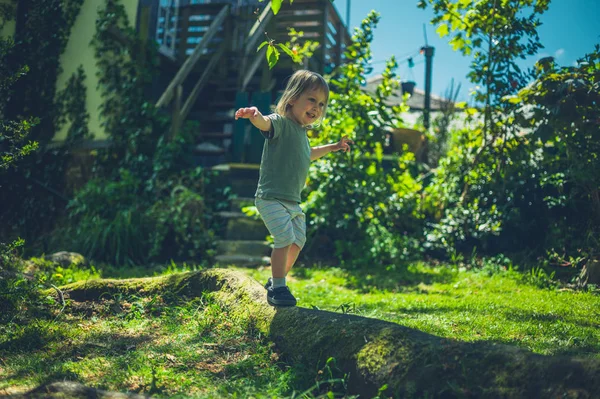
point(167, 345)
point(464, 305)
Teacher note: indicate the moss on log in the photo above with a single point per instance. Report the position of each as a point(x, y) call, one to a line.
point(375, 353)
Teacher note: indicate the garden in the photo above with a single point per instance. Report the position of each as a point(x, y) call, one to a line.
point(472, 273)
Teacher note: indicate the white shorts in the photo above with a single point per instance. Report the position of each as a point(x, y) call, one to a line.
point(285, 221)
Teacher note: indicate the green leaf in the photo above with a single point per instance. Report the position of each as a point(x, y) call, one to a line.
point(272, 56)
point(263, 44)
point(457, 43)
point(442, 30)
point(275, 6)
point(286, 50)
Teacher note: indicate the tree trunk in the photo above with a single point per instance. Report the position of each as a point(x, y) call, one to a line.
point(375, 353)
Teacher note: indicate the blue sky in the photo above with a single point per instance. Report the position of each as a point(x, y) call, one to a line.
point(570, 28)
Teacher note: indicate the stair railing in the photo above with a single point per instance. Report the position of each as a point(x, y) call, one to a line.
point(175, 89)
point(250, 44)
point(202, 81)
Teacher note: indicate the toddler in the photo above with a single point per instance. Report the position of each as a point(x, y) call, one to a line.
point(284, 167)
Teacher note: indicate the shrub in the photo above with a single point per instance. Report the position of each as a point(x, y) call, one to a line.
point(366, 206)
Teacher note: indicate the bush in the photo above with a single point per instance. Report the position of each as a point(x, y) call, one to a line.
point(366, 206)
point(122, 222)
point(535, 191)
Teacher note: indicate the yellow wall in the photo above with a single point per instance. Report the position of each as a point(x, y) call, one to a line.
point(80, 52)
point(9, 28)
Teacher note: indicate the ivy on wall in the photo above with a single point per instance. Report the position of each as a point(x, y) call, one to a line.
point(125, 66)
point(42, 31)
point(71, 108)
point(31, 191)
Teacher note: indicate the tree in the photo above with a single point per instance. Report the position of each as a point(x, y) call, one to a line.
point(376, 223)
point(13, 147)
point(489, 182)
point(560, 108)
point(497, 33)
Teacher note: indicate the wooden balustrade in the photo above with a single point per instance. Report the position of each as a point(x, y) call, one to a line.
point(320, 22)
point(318, 19)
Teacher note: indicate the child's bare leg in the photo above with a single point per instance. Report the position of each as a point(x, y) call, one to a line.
point(278, 261)
point(291, 257)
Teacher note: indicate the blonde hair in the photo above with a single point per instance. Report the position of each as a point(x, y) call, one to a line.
point(299, 82)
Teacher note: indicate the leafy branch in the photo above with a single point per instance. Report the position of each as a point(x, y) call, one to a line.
point(296, 53)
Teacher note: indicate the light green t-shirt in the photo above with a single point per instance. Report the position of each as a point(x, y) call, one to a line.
point(285, 160)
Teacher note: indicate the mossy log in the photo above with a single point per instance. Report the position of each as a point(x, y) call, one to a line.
point(373, 352)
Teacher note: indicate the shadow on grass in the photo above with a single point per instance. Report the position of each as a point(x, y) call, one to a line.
point(424, 364)
point(401, 278)
point(585, 344)
point(45, 357)
point(516, 314)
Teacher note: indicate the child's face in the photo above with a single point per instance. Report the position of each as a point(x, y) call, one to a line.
point(308, 107)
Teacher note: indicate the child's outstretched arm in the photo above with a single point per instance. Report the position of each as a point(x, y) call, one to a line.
point(342, 145)
point(256, 118)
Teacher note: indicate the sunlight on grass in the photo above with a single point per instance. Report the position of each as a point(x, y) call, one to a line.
point(465, 305)
point(187, 347)
point(165, 345)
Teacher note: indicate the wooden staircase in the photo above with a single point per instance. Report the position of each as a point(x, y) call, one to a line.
point(210, 50)
point(210, 67)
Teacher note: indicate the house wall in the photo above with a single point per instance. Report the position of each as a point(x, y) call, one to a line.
point(80, 52)
point(9, 28)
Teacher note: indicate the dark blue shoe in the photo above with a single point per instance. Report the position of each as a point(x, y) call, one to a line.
point(280, 296)
point(269, 283)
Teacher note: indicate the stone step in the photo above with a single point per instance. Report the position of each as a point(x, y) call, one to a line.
point(242, 178)
point(238, 226)
point(209, 149)
point(243, 187)
point(221, 116)
point(243, 260)
point(215, 135)
point(245, 247)
point(222, 104)
point(239, 170)
point(238, 203)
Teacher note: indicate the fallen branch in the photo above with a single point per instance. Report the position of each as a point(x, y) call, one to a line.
point(374, 352)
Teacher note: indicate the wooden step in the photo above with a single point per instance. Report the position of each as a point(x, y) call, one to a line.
point(215, 135)
point(209, 149)
point(227, 89)
point(222, 116)
point(222, 104)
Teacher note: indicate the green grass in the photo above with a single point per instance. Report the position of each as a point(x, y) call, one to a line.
point(161, 346)
point(463, 305)
point(171, 346)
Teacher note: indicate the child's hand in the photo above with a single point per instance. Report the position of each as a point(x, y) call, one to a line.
point(343, 144)
point(247, 113)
